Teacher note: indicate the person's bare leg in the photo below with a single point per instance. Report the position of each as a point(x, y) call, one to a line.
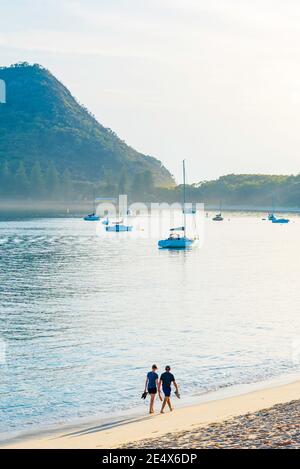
point(169, 404)
point(164, 405)
point(152, 397)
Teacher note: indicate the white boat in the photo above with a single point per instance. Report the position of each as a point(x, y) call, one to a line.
point(175, 240)
point(218, 216)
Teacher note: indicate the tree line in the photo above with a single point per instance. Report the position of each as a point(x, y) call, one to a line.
point(38, 183)
point(34, 182)
point(47, 183)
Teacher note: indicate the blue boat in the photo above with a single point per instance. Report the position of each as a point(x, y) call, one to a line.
point(273, 219)
point(92, 217)
point(282, 221)
point(175, 241)
point(118, 227)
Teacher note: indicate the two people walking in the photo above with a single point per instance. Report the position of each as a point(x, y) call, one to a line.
point(154, 385)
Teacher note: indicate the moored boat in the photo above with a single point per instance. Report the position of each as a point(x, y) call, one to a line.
point(175, 241)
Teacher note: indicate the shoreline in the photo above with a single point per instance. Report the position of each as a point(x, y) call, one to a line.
point(134, 430)
point(18, 210)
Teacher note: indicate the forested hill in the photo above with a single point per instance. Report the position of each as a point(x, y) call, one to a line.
point(251, 190)
point(50, 143)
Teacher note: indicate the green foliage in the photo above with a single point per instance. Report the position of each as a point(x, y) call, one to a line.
point(242, 189)
point(21, 182)
point(53, 148)
point(42, 122)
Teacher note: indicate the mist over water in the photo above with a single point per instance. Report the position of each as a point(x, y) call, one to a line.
point(83, 316)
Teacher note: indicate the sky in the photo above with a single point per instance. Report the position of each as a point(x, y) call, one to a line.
point(216, 82)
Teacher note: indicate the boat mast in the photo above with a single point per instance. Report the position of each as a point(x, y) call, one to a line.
point(184, 199)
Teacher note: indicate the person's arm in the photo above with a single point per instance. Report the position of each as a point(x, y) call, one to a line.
point(146, 384)
point(176, 386)
point(159, 387)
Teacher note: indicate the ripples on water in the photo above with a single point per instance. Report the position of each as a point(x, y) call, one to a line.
point(84, 316)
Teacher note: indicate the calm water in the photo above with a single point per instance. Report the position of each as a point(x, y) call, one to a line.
point(83, 316)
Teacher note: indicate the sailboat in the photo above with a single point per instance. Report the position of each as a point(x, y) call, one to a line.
point(117, 226)
point(274, 219)
point(218, 216)
point(175, 240)
point(92, 216)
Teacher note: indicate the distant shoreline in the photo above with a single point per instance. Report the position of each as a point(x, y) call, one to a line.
point(49, 209)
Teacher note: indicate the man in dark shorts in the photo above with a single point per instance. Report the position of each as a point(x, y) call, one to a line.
point(151, 386)
point(165, 382)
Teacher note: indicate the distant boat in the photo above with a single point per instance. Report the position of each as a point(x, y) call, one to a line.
point(118, 227)
point(175, 240)
point(274, 219)
point(218, 216)
point(191, 210)
point(282, 221)
point(92, 216)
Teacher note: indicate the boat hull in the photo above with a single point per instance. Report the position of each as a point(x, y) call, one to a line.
point(93, 218)
point(118, 228)
point(282, 221)
point(181, 243)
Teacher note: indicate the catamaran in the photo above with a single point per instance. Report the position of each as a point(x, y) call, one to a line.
point(175, 239)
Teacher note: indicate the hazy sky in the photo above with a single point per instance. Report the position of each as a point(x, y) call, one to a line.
point(214, 81)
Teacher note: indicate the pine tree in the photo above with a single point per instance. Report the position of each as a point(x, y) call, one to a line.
point(148, 182)
point(37, 181)
point(21, 183)
point(123, 183)
point(138, 184)
point(67, 185)
point(53, 182)
point(5, 180)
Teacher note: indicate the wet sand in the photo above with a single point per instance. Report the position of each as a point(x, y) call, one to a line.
point(238, 421)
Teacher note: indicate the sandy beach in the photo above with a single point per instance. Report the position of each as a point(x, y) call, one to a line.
point(264, 418)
